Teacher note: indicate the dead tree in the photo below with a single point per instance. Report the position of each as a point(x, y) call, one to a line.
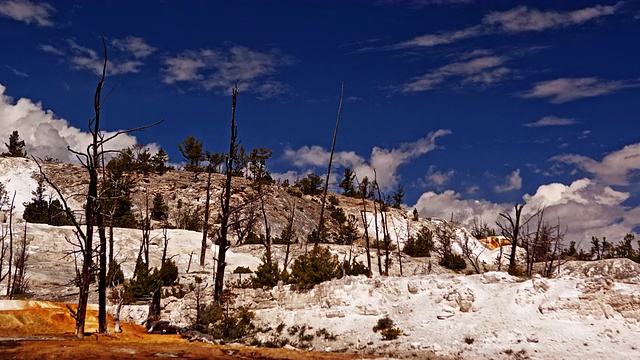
point(375, 221)
point(90, 160)
point(288, 233)
point(365, 223)
point(205, 224)
point(512, 230)
point(10, 260)
point(326, 183)
point(19, 285)
point(224, 243)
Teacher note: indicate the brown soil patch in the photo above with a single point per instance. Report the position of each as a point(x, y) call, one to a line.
point(46, 332)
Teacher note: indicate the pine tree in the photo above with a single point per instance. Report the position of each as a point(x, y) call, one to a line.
point(159, 162)
point(397, 197)
point(347, 183)
point(15, 146)
point(191, 150)
point(160, 209)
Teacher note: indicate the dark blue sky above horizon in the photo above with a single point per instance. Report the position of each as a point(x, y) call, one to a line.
point(467, 104)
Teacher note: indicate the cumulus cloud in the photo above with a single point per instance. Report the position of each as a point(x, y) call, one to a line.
point(614, 169)
point(567, 89)
point(481, 70)
point(585, 207)
point(385, 161)
point(513, 182)
point(125, 55)
point(551, 121)
point(44, 133)
point(220, 69)
point(28, 12)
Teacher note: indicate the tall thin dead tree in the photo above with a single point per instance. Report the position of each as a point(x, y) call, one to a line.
point(326, 182)
point(365, 223)
point(9, 292)
point(90, 160)
point(205, 224)
point(223, 241)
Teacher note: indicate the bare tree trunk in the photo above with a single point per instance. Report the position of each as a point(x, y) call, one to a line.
point(9, 291)
point(205, 225)
point(226, 207)
point(366, 228)
point(267, 231)
point(375, 219)
point(326, 182)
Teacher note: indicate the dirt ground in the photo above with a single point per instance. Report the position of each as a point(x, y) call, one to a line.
point(44, 330)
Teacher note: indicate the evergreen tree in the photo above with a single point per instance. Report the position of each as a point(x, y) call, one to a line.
point(160, 209)
point(15, 147)
point(191, 150)
point(159, 162)
point(348, 188)
point(311, 185)
point(397, 197)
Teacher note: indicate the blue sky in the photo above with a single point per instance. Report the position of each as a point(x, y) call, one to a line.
point(470, 105)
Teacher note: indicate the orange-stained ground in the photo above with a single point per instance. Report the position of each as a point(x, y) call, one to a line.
point(46, 330)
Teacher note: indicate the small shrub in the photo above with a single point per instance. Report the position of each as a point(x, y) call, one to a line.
point(453, 262)
point(517, 271)
point(385, 326)
point(421, 245)
point(390, 334)
point(267, 274)
point(384, 323)
point(355, 268)
point(469, 340)
point(168, 273)
point(293, 330)
point(279, 328)
point(323, 333)
point(115, 276)
point(317, 266)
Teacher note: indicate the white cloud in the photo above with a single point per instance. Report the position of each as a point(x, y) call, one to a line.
point(135, 46)
point(17, 72)
point(551, 121)
point(585, 207)
point(437, 177)
point(518, 19)
point(220, 69)
point(124, 57)
point(28, 12)
point(614, 169)
point(513, 182)
point(482, 70)
point(45, 134)
point(51, 49)
point(522, 19)
point(384, 161)
point(441, 38)
point(566, 89)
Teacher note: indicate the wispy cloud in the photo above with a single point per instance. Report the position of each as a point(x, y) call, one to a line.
point(522, 18)
point(614, 169)
point(421, 3)
point(516, 20)
point(28, 12)
point(385, 161)
point(513, 182)
point(482, 70)
point(567, 89)
point(125, 56)
point(17, 72)
point(48, 48)
point(437, 177)
point(135, 46)
point(220, 69)
point(551, 121)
